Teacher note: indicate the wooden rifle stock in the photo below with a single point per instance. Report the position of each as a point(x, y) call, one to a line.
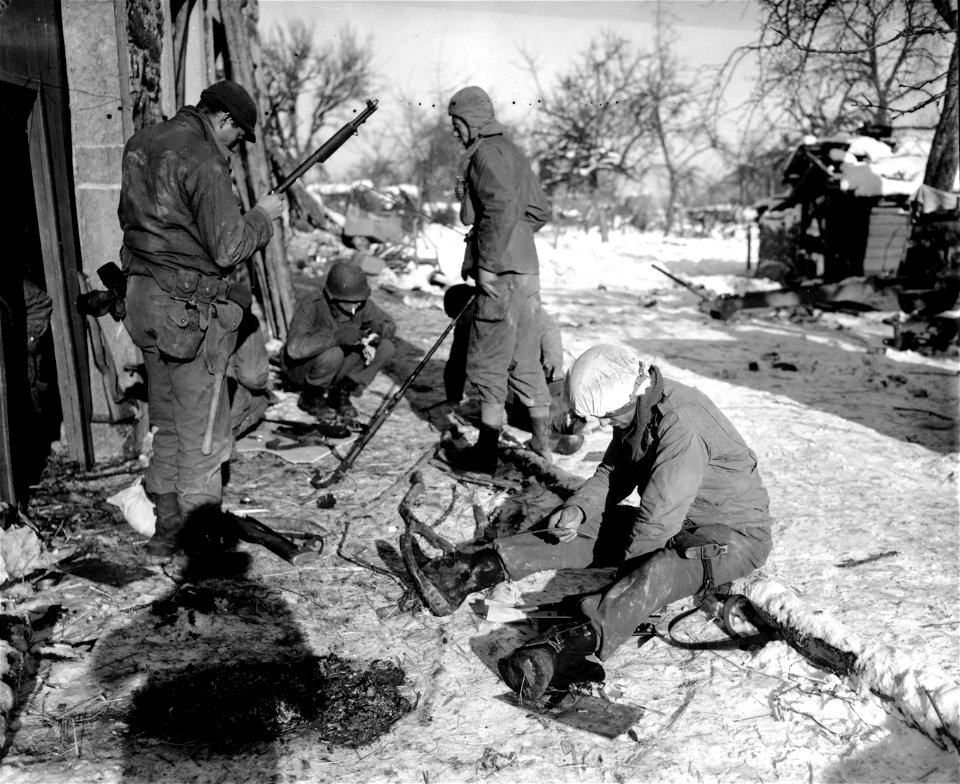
point(384, 411)
point(329, 147)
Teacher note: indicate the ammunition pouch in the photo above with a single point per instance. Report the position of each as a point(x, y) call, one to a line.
point(196, 300)
point(690, 544)
point(181, 331)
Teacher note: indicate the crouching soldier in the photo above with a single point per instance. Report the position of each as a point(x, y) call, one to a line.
point(698, 482)
point(564, 430)
point(337, 343)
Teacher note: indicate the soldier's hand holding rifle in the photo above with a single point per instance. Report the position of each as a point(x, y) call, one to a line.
point(272, 204)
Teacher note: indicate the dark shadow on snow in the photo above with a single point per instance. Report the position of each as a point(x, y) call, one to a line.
point(223, 672)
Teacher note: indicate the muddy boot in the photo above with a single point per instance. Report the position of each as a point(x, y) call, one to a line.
point(313, 401)
point(540, 443)
point(165, 541)
point(448, 580)
point(339, 399)
point(481, 457)
point(565, 444)
point(531, 668)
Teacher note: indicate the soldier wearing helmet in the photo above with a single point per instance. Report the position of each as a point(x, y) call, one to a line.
point(338, 341)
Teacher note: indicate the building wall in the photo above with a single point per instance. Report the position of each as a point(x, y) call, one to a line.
point(100, 122)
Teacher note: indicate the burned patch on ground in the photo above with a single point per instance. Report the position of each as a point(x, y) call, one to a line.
point(228, 707)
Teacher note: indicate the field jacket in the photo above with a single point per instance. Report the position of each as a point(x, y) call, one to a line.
point(505, 205)
point(318, 325)
point(690, 467)
point(177, 207)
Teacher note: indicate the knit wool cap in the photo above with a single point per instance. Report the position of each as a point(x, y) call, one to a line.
point(230, 97)
point(604, 379)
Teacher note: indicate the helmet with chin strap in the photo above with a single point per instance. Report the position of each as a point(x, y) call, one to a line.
point(346, 282)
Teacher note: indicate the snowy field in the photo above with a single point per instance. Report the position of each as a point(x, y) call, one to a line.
point(857, 445)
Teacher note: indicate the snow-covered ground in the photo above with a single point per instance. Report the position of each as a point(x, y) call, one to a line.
point(857, 446)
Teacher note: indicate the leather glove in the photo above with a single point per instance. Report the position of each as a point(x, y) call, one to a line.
point(564, 522)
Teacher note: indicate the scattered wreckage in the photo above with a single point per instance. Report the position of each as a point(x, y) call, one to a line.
point(857, 231)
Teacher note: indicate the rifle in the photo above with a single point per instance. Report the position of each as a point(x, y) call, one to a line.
point(384, 411)
point(249, 529)
point(688, 286)
point(329, 147)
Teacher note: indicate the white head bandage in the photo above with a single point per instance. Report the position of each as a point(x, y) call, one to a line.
point(604, 378)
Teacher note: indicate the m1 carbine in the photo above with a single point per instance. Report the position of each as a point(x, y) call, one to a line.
point(99, 303)
point(329, 147)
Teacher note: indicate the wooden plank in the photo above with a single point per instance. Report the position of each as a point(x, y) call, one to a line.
point(8, 487)
point(58, 244)
point(123, 62)
point(168, 78)
point(271, 267)
point(887, 240)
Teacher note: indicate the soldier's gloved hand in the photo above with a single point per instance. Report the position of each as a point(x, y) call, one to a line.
point(460, 189)
point(564, 522)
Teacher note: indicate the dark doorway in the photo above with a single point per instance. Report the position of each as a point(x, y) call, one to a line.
point(31, 414)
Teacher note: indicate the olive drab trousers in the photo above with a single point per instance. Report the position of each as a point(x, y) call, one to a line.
point(645, 583)
point(503, 351)
point(334, 365)
point(178, 395)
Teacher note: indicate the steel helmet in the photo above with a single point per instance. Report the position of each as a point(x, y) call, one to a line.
point(347, 282)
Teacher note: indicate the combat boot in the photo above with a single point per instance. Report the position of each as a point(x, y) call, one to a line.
point(450, 579)
point(165, 541)
point(313, 402)
point(540, 443)
point(481, 457)
point(532, 667)
point(339, 399)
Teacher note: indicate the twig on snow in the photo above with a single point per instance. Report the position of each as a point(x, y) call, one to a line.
point(869, 559)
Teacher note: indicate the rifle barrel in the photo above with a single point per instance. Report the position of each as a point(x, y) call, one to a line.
point(329, 147)
point(386, 408)
point(683, 283)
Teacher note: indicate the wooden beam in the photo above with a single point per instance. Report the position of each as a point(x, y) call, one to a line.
point(48, 144)
point(240, 32)
point(123, 62)
point(168, 78)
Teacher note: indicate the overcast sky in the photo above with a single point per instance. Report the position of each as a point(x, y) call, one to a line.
point(426, 50)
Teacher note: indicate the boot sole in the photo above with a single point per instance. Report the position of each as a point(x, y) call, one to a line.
point(528, 671)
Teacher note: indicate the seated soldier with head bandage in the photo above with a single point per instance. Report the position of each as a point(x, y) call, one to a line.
point(696, 479)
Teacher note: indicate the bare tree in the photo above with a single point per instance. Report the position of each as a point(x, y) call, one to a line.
point(832, 66)
point(308, 84)
point(679, 125)
point(594, 126)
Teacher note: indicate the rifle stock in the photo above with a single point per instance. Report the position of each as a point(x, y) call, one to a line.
point(329, 147)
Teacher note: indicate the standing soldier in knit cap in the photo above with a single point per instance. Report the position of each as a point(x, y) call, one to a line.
point(183, 234)
point(504, 205)
point(699, 488)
